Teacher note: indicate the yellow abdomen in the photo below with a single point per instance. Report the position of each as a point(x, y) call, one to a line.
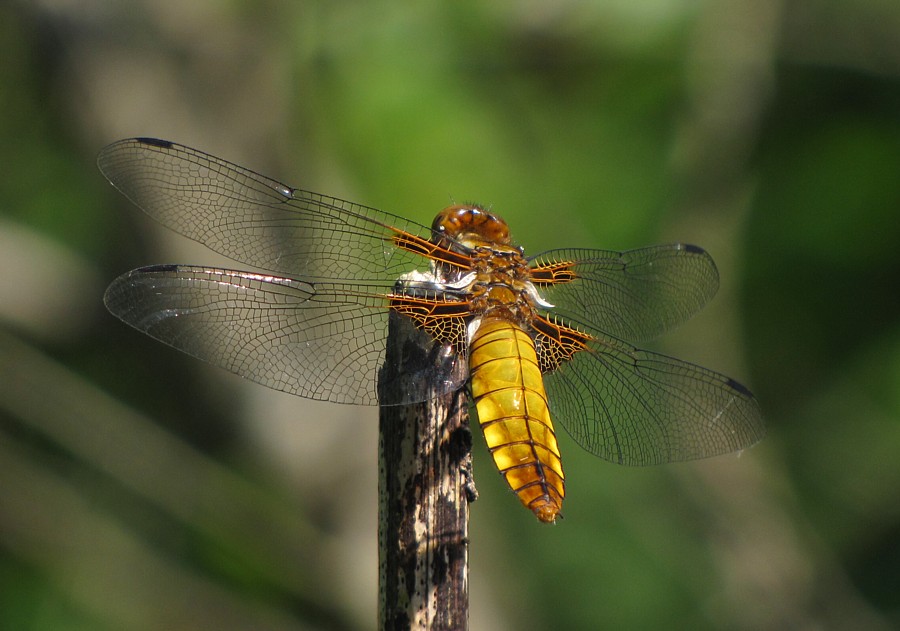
point(513, 413)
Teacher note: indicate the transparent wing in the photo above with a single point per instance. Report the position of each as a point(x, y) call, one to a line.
point(257, 220)
point(323, 341)
point(636, 407)
point(635, 295)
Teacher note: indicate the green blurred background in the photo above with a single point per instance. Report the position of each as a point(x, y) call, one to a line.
point(140, 489)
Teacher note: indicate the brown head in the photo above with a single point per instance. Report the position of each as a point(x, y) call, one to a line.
point(472, 225)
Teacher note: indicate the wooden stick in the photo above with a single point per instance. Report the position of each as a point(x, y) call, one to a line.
point(424, 488)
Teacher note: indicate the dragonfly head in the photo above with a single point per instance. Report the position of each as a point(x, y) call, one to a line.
point(471, 225)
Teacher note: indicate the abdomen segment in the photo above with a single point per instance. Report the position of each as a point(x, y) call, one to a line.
point(512, 409)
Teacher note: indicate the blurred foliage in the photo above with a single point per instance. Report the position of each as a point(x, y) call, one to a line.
point(139, 490)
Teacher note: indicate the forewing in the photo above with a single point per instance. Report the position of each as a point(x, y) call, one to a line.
point(635, 407)
point(635, 295)
point(323, 341)
point(257, 220)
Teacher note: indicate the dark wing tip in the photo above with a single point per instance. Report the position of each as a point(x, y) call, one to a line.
point(109, 153)
point(160, 267)
point(736, 385)
point(155, 142)
point(754, 426)
point(140, 271)
point(694, 249)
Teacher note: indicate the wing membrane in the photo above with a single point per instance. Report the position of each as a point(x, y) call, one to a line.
point(257, 220)
point(635, 407)
point(635, 295)
point(323, 341)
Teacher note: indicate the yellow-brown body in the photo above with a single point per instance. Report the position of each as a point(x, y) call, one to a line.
point(512, 409)
point(505, 376)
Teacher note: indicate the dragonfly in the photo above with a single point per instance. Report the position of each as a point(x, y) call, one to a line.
point(533, 338)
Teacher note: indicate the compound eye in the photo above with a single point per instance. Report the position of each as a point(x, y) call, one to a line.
point(450, 220)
